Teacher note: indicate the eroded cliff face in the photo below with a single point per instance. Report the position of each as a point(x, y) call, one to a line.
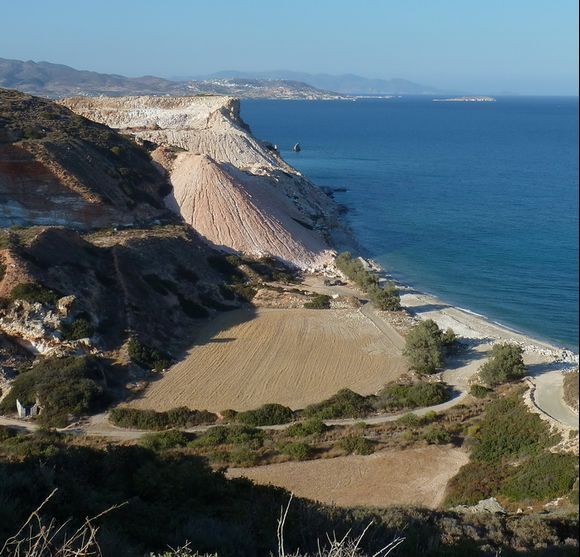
point(57, 168)
point(236, 191)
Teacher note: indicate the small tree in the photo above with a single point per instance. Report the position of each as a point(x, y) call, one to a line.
point(506, 364)
point(424, 347)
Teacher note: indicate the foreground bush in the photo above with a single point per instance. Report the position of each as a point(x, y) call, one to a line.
point(267, 414)
point(344, 404)
point(396, 396)
point(181, 417)
point(174, 498)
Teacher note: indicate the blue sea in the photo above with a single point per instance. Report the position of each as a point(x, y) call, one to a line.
point(476, 203)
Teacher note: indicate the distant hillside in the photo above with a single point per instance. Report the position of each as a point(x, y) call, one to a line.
point(56, 80)
point(347, 84)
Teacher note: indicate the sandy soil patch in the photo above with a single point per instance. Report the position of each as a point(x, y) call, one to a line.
point(289, 356)
point(413, 476)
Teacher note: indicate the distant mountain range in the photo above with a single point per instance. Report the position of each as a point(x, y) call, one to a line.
point(56, 80)
point(347, 84)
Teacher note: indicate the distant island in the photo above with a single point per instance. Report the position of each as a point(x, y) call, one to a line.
point(467, 100)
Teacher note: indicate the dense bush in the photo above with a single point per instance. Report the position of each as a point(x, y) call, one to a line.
point(313, 426)
point(475, 481)
point(356, 444)
point(145, 356)
point(424, 347)
point(233, 517)
point(62, 386)
point(436, 435)
point(164, 440)
point(181, 417)
point(479, 391)
point(267, 414)
point(506, 364)
point(34, 293)
point(344, 404)
point(320, 301)
point(542, 477)
point(396, 396)
point(79, 328)
point(508, 429)
point(230, 435)
point(571, 388)
point(386, 298)
point(297, 451)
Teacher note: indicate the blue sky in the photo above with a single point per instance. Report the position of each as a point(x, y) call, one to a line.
point(478, 45)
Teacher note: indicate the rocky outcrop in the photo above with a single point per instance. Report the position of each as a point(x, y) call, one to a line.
point(153, 283)
point(233, 189)
point(59, 169)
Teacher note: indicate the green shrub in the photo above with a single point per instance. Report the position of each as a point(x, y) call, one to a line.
point(34, 293)
point(424, 347)
point(2, 270)
point(243, 456)
point(164, 440)
point(313, 426)
point(506, 364)
point(297, 451)
point(475, 481)
point(320, 301)
point(479, 391)
point(228, 415)
point(229, 435)
point(436, 435)
point(344, 404)
point(267, 414)
point(396, 396)
point(356, 444)
point(571, 388)
point(542, 477)
point(63, 386)
point(181, 417)
point(410, 420)
point(245, 292)
point(386, 298)
point(79, 328)
point(508, 429)
point(145, 356)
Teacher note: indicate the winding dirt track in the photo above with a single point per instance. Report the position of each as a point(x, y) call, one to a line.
point(293, 357)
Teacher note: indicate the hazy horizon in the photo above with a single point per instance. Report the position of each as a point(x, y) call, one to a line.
point(523, 48)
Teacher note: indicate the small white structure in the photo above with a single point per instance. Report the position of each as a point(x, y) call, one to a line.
point(27, 411)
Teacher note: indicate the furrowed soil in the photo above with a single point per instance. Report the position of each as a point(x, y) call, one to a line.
point(415, 476)
point(293, 357)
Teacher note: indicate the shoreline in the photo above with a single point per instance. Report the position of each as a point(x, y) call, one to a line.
point(477, 326)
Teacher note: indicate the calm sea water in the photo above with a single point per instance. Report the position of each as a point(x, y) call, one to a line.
point(476, 203)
